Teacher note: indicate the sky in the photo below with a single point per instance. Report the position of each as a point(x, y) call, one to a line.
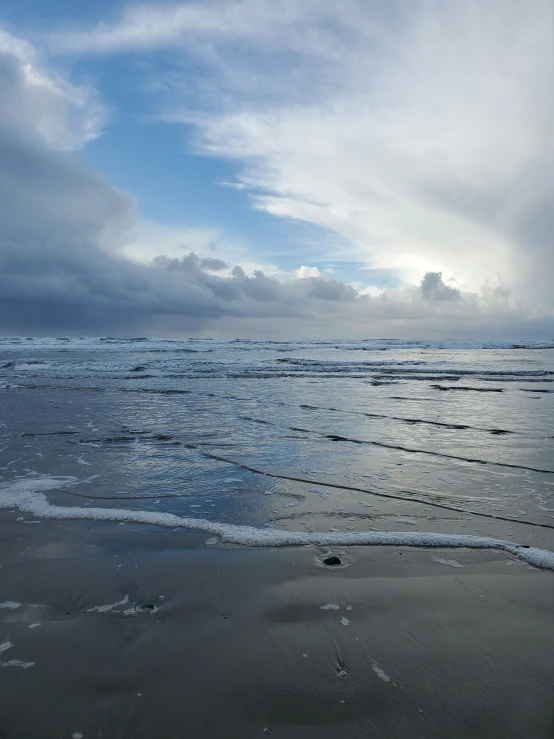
point(277, 169)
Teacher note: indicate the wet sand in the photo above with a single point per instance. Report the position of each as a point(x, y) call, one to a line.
point(147, 632)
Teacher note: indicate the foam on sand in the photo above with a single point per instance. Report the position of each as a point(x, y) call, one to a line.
point(28, 495)
point(17, 663)
point(379, 672)
point(447, 562)
point(330, 607)
point(109, 606)
point(6, 644)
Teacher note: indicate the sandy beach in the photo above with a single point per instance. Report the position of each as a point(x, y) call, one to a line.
point(137, 631)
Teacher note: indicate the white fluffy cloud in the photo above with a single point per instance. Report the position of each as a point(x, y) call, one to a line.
point(304, 272)
point(63, 115)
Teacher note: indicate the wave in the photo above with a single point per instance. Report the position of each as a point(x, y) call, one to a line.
point(28, 495)
point(399, 447)
point(173, 359)
point(253, 344)
point(410, 421)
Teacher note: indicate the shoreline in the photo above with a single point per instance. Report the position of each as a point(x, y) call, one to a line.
point(27, 496)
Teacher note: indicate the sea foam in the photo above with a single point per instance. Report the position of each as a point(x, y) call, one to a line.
point(28, 495)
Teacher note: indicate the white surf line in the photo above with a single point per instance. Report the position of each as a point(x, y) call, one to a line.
point(27, 495)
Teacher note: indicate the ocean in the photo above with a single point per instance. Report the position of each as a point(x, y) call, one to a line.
point(335, 437)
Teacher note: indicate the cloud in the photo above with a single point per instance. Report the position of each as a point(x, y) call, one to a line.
point(303, 272)
point(150, 27)
point(420, 132)
point(41, 187)
point(213, 265)
point(433, 288)
point(63, 266)
point(63, 115)
point(371, 291)
point(152, 239)
point(65, 235)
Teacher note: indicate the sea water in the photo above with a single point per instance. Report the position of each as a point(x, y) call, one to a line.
point(328, 442)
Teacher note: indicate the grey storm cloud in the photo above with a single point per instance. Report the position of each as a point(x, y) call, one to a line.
point(212, 264)
point(192, 262)
point(433, 288)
